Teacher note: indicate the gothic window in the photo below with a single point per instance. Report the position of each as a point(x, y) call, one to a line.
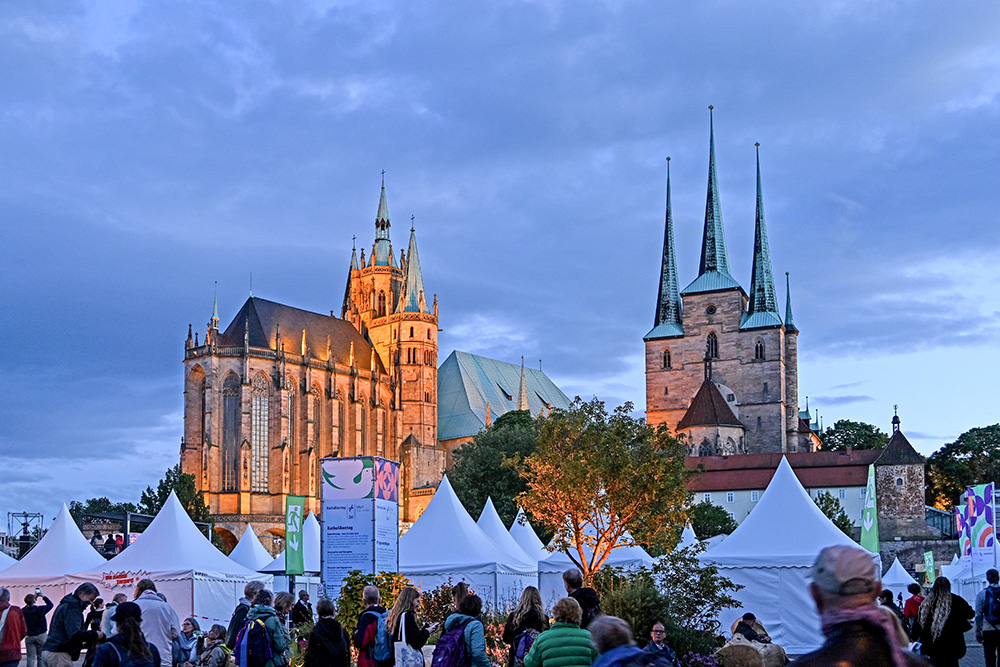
point(705, 449)
point(317, 416)
point(230, 431)
point(758, 423)
point(293, 414)
point(364, 426)
point(666, 391)
point(409, 356)
point(758, 350)
point(428, 334)
point(259, 416)
point(666, 359)
point(713, 345)
point(899, 481)
point(381, 303)
point(411, 332)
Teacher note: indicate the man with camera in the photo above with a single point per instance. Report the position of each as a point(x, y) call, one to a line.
point(67, 633)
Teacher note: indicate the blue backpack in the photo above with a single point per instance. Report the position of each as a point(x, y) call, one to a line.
point(523, 642)
point(450, 649)
point(253, 645)
point(991, 605)
point(382, 650)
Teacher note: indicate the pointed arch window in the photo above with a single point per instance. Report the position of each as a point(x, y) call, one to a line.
point(317, 416)
point(666, 358)
point(260, 421)
point(758, 350)
point(411, 332)
point(713, 345)
point(381, 303)
point(230, 431)
point(293, 414)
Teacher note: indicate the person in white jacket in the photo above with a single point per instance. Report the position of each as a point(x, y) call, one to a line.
point(160, 623)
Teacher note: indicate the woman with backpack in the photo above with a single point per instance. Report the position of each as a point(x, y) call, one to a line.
point(266, 630)
point(328, 644)
point(402, 620)
point(941, 625)
point(463, 643)
point(127, 648)
point(525, 623)
point(565, 644)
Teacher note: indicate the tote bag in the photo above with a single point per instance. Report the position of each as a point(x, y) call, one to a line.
point(406, 655)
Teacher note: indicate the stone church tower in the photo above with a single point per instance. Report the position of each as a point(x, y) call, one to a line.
point(751, 350)
point(280, 388)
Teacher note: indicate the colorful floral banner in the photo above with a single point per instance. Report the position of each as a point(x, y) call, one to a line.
point(964, 536)
point(982, 529)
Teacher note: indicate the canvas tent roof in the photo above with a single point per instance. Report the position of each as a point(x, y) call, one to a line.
point(786, 528)
point(249, 552)
point(527, 538)
point(896, 579)
point(688, 538)
point(62, 550)
point(492, 525)
point(5, 561)
point(310, 550)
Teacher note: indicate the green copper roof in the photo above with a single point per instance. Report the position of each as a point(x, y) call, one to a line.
point(665, 330)
point(668, 300)
point(762, 308)
point(713, 241)
point(789, 322)
point(382, 252)
point(467, 383)
point(414, 285)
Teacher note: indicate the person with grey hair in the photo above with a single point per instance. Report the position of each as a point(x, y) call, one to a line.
point(302, 611)
point(845, 583)
point(12, 630)
point(239, 617)
point(67, 633)
point(364, 636)
point(590, 601)
point(612, 638)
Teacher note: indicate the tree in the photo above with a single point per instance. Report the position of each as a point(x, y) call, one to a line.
point(192, 500)
point(708, 520)
point(600, 481)
point(856, 435)
point(98, 506)
point(834, 511)
point(974, 458)
point(486, 466)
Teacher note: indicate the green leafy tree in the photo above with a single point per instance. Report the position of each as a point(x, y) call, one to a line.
point(350, 604)
point(486, 466)
point(601, 481)
point(834, 511)
point(856, 435)
point(974, 458)
point(98, 506)
point(709, 520)
point(183, 484)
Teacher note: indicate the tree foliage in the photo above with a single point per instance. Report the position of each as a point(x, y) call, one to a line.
point(183, 484)
point(709, 520)
point(98, 506)
point(350, 604)
point(486, 466)
point(600, 481)
point(974, 458)
point(846, 434)
point(834, 511)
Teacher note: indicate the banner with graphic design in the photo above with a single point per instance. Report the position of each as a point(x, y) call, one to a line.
point(360, 518)
point(982, 528)
point(295, 509)
point(929, 567)
point(964, 536)
point(869, 518)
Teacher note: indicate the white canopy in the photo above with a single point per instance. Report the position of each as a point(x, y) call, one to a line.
point(310, 550)
point(896, 579)
point(445, 544)
point(62, 551)
point(770, 554)
point(688, 539)
point(5, 561)
point(249, 552)
point(551, 568)
point(526, 538)
point(492, 525)
point(196, 578)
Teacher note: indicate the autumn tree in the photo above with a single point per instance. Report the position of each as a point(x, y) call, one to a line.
point(709, 520)
point(834, 511)
point(974, 458)
point(846, 434)
point(601, 481)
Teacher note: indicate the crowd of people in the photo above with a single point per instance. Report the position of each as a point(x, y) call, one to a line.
point(110, 546)
point(862, 625)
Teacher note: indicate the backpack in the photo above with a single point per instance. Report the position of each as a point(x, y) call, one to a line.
point(991, 605)
point(450, 649)
point(253, 645)
point(381, 651)
point(126, 659)
point(522, 644)
point(646, 659)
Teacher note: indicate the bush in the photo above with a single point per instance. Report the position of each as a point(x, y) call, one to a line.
point(435, 604)
point(350, 605)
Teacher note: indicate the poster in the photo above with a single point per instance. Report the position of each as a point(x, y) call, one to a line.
point(964, 536)
point(869, 518)
point(360, 518)
point(929, 567)
point(982, 531)
point(295, 507)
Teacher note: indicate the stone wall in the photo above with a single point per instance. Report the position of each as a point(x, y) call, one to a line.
point(911, 552)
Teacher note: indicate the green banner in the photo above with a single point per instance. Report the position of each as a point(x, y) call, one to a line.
point(295, 509)
point(869, 520)
point(929, 567)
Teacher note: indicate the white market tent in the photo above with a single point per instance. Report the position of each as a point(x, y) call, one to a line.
point(688, 539)
point(896, 579)
point(771, 554)
point(492, 525)
point(196, 578)
point(6, 561)
point(526, 538)
point(62, 551)
point(445, 544)
point(311, 562)
point(551, 568)
point(249, 552)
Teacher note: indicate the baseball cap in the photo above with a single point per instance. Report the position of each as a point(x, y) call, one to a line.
point(845, 570)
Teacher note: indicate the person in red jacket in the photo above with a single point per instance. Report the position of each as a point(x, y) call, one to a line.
point(12, 628)
point(912, 606)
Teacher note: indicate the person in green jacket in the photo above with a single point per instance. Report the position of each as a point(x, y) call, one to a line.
point(565, 644)
point(276, 631)
point(469, 609)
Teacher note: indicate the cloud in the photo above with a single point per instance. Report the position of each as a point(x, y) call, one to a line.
point(840, 400)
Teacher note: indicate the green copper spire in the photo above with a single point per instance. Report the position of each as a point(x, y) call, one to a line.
point(382, 217)
point(215, 307)
point(412, 299)
point(762, 310)
point(713, 272)
point(789, 322)
point(667, 319)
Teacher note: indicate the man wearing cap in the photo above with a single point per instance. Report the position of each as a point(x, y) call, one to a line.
point(845, 583)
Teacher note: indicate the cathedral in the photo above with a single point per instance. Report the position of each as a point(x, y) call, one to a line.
point(721, 363)
point(281, 388)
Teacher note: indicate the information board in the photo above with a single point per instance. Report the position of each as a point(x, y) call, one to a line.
point(360, 518)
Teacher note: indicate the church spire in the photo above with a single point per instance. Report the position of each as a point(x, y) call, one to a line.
point(347, 290)
point(382, 217)
point(713, 272)
point(412, 298)
point(789, 322)
point(668, 301)
point(762, 294)
point(522, 391)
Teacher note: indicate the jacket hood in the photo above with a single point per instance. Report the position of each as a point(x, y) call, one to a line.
point(619, 655)
point(260, 611)
point(456, 620)
point(73, 600)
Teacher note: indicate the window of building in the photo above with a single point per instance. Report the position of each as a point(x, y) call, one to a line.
point(710, 310)
point(428, 334)
point(758, 423)
point(259, 426)
point(765, 389)
point(293, 416)
point(411, 332)
point(317, 416)
point(730, 398)
point(754, 496)
point(381, 303)
point(666, 391)
point(713, 345)
point(730, 497)
point(861, 493)
point(899, 481)
point(758, 350)
point(841, 493)
point(666, 359)
point(230, 431)
point(707, 497)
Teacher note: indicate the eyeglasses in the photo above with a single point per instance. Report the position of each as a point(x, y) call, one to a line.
point(659, 632)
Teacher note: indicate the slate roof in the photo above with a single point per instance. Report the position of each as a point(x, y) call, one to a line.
point(899, 451)
point(754, 471)
point(467, 382)
point(708, 408)
point(260, 318)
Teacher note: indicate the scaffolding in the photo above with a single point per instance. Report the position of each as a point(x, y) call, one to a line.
point(24, 529)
